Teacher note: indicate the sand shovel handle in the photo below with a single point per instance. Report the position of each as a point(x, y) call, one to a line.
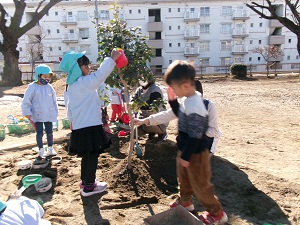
point(27, 181)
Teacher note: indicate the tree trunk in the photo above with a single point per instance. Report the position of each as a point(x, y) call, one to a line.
point(267, 67)
point(298, 43)
point(12, 75)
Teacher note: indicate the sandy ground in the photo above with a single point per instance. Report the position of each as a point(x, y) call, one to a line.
point(256, 169)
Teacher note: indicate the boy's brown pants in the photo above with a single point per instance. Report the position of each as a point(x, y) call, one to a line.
point(195, 179)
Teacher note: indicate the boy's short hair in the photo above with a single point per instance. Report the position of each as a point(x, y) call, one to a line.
point(179, 72)
point(198, 86)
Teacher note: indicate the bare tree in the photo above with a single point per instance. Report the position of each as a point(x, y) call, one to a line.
point(35, 50)
point(10, 27)
point(270, 11)
point(270, 53)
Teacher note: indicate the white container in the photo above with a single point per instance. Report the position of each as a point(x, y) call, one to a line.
point(45, 184)
point(24, 165)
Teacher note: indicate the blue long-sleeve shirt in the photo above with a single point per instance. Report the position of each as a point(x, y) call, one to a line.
point(192, 124)
point(40, 103)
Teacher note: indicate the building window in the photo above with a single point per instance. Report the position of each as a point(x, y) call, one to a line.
point(178, 44)
point(104, 14)
point(48, 31)
point(170, 27)
point(226, 28)
point(297, 57)
point(57, 31)
point(139, 11)
point(50, 48)
point(178, 10)
point(226, 11)
point(259, 41)
point(157, 35)
point(251, 42)
point(260, 24)
point(258, 58)
point(204, 46)
point(56, 13)
point(250, 59)
point(204, 28)
point(170, 61)
point(178, 27)
point(170, 45)
point(84, 33)
point(225, 61)
point(20, 49)
point(204, 11)
point(288, 57)
point(86, 48)
point(130, 11)
point(82, 16)
point(225, 45)
point(59, 48)
point(158, 52)
point(290, 40)
point(170, 10)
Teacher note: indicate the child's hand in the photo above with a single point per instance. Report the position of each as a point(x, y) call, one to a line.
point(171, 94)
point(139, 122)
point(115, 54)
point(184, 163)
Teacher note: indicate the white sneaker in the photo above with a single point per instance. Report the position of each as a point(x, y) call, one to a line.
point(43, 153)
point(98, 188)
point(51, 151)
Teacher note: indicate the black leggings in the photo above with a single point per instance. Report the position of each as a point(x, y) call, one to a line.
point(89, 164)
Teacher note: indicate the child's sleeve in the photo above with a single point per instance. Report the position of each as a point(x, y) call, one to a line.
point(26, 105)
point(175, 106)
point(162, 117)
point(95, 79)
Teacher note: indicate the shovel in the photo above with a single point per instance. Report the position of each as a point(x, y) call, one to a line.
point(27, 181)
point(137, 147)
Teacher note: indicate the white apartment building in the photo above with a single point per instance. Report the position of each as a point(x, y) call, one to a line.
point(212, 34)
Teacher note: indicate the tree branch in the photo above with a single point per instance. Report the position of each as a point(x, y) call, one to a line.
point(37, 16)
point(293, 8)
point(2, 19)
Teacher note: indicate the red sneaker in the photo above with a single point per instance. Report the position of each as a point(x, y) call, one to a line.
point(207, 218)
point(188, 205)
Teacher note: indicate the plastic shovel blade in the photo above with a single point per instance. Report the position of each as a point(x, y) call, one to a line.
point(27, 181)
point(138, 150)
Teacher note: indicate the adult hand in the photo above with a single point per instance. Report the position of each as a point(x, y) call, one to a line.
point(184, 163)
point(115, 54)
point(171, 94)
point(138, 122)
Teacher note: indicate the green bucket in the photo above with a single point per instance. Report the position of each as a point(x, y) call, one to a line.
point(2, 132)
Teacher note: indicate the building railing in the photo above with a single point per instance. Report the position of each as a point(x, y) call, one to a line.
point(70, 37)
point(192, 33)
point(189, 15)
point(244, 31)
point(68, 19)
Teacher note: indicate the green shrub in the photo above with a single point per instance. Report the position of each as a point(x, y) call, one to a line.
point(238, 70)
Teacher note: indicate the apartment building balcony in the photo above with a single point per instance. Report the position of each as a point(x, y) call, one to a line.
point(70, 38)
point(36, 30)
point(191, 34)
point(279, 58)
point(240, 14)
point(156, 61)
point(276, 39)
point(240, 32)
point(154, 26)
point(68, 20)
point(239, 49)
point(156, 43)
point(274, 24)
point(189, 51)
point(191, 16)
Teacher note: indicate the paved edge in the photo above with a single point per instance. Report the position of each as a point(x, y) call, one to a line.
point(32, 144)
